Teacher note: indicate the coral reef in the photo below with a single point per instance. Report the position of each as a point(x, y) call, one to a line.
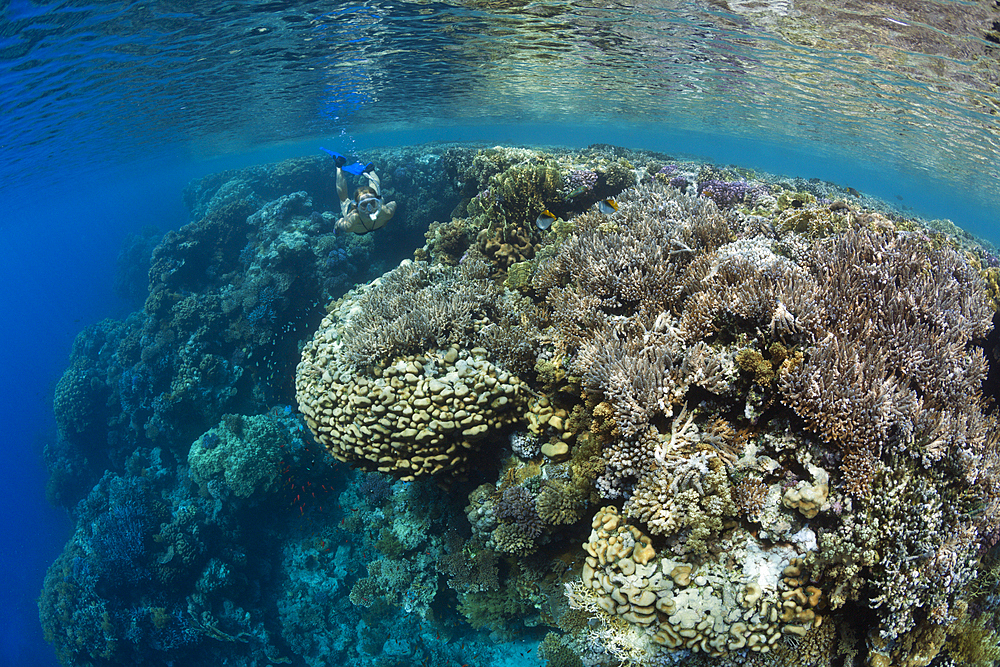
point(241, 456)
point(741, 419)
point(416, 415)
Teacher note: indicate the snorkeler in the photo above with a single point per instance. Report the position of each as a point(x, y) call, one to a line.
point(365, 212)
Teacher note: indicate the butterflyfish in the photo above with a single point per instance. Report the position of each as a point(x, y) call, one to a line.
point(545, 219)
point(607, 206)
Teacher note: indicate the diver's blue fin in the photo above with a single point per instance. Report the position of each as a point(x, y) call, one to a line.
point(357, 168)
point(339, 159)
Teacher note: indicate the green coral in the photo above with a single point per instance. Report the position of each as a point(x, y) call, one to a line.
point(74, 618)
point(559, 502)
point(763, 369)
point(493, 609)
point(389, 544)
point(974, 644)
point(244, 453)
point(991, 278)
point(558, 654)
point(519, 275)
point(447, 241)
point(364, 592)
point(526, 190)
point(794, 200)
point(753, 362)
point(401, 583)
point(511, 538)
point(79, 402)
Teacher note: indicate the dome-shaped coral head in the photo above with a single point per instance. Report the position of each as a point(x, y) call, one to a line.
point(374, 395)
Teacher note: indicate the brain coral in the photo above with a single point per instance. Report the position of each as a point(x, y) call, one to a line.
point(406, 415)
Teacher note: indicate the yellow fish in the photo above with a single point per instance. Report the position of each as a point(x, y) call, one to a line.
point(607, 206)
point(545, 219)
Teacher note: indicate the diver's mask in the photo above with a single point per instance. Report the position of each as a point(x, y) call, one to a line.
point(369, 205)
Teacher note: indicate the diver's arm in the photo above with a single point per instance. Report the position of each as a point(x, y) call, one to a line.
point(386, 213)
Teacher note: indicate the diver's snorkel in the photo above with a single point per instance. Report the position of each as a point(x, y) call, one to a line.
point(369, 205)
point(369, 200)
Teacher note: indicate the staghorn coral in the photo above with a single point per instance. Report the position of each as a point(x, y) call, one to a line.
point(926, 551)
point(912, 389)
point(512, 337)
point(915, 384)
point(639, 258)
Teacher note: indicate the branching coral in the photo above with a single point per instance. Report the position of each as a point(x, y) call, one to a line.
point(914, 386)
point(641, 259)
point(414, 307)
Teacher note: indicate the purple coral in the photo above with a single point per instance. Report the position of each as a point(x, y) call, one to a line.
point(374, 487)
point(578, 178)
point(727, 194)
point(517, 506)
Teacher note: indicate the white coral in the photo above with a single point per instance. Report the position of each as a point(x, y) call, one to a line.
point(682, 430)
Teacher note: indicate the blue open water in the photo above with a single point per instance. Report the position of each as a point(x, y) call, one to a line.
point(109, 109)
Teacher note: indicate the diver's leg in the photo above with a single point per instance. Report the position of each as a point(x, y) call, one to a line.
point(374, 182)
point(341, 185)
